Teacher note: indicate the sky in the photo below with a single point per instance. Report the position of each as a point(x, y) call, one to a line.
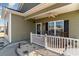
point(2, 22)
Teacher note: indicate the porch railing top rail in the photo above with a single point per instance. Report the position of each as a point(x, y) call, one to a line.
point(55, 36)
point(63, 37)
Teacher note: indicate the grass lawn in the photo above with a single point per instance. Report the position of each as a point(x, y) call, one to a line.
point(2, 34)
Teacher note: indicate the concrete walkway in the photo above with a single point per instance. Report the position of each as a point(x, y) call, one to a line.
point(9, 50)
point(3, 42)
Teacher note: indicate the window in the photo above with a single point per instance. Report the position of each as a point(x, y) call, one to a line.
point(51, 28)
point(58, 28)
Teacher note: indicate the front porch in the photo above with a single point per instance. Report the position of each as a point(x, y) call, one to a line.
point(59, 34)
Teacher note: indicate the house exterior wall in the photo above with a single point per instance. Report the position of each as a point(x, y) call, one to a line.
point(20, 28)
point(73, 18)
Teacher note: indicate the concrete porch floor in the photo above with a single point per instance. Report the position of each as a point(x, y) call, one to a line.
point(10, 50)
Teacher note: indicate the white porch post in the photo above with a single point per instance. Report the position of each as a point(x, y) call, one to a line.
point(30, 37)
point(9, 28)
point(45, 40)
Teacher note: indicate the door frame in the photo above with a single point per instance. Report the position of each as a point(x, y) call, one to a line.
point(40, 27)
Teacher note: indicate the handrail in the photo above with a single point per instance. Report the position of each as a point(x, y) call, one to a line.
point(55, 36)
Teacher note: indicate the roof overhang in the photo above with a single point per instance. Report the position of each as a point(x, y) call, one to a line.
point(33, 10)
point(57, 11)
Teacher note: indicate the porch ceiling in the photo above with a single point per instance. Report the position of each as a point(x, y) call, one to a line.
point(48, 9)
point(56, 11)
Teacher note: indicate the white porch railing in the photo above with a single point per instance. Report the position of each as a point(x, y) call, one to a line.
point(54, 43)
point(38, 39)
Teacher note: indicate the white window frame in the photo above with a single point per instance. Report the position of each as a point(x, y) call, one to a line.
point(55, 25)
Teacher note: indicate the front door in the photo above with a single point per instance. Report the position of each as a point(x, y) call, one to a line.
point(38, 28)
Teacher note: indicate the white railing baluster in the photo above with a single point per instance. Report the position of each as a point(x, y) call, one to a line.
point(77, 44)
point(67, 44)
point(46, 40)
point(30, 37)
point(73, 43)
point(53, 42)
point(57, 42)
point(62, 42)
point(70, 43)
point(50, 41)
